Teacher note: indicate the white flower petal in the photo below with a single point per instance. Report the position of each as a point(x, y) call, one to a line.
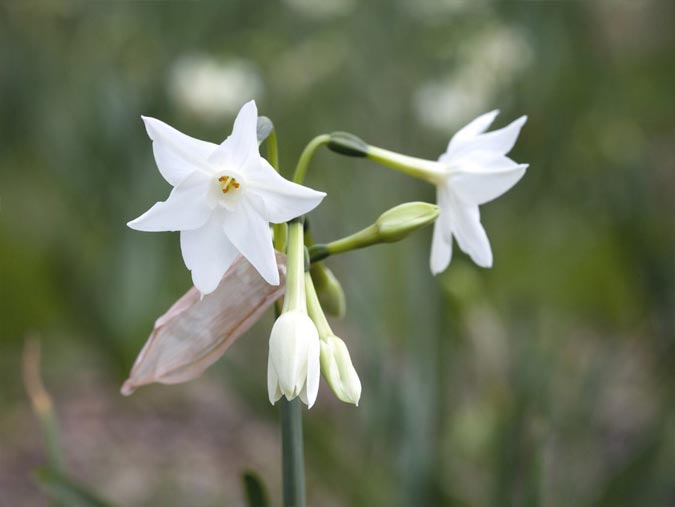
point(498, 141)
point(313, 371)
point(177, 155)
point(250, 234)
point(241, 147)
point(283, 199)
point(294, 341)
point(441, 242)
point(185, 209)
point(273, 391)
point(471, 130)
point(207, 253)
point(479, 185)
point(471, 236)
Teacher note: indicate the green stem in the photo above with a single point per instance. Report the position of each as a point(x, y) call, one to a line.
point(306, 156)
point(273, 150)
point(427, 170)
point(293, 464)
point(295, 268)
point(314, 309)
point(365, 237)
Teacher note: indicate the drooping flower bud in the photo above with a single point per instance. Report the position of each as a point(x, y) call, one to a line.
point(393, 225)
point(293, 366)
point(336, 365)
point(293, 363)
point(338, 370)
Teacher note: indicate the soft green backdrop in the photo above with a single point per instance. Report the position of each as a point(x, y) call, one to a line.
point(547, 380)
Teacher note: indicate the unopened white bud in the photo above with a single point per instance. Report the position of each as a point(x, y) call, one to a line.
point(338, 370)
point(293, 363)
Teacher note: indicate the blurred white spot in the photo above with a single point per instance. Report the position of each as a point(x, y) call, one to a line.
point(437, 11)
point(487, 63)
point(211, 88)
point(322, 8)
point(304, 65)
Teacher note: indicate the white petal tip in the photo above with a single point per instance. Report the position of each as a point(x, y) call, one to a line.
point(134, 224)
point(149, 123)
point(274, 281)
point(249, 105)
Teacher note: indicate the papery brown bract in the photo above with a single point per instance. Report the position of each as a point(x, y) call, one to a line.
point(195, 332)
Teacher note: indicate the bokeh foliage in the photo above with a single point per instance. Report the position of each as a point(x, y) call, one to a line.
point(547, 380)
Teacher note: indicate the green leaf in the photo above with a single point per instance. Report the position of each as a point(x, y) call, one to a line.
point(254, 490)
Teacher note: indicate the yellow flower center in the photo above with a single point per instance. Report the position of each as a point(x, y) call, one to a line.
point(227, 183)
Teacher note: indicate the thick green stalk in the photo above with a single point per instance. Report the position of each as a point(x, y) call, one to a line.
point(293, 464)
point(295, 274)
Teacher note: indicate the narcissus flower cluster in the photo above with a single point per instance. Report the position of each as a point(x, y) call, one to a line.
point(224, 200)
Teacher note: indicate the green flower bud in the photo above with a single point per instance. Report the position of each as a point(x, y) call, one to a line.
point(329, 290)
point(393, 225)
point(264, 128)
point(398, 222)
point(338, 370)
point(347, 144)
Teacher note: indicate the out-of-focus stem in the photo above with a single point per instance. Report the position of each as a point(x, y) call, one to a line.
point(42, 404)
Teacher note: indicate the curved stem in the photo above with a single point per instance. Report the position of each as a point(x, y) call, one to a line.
point(314, 309)
point(306, 156)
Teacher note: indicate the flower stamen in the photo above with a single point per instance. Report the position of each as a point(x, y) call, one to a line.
point(227, 183)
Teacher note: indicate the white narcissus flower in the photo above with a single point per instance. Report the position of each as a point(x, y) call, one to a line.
point(293, 366)
point(224, 198)
point(473, 170)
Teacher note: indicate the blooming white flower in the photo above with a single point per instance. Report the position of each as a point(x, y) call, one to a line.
point(293, 366)
point(473, 170)
point(224, 198)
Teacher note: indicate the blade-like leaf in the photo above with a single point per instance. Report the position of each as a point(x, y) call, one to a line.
point(254, 490)
point(66, 492)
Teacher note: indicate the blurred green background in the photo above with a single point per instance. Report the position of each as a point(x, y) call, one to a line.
point(547, 380)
